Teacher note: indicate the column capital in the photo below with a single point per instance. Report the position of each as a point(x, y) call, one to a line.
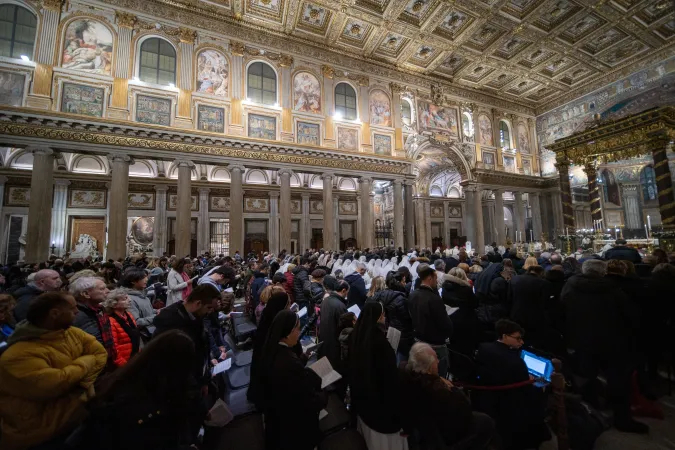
point(41, 151)
point(365, 180)
point(61, 182)
point(187, 35)
point(327, 176)
point(3, 179)
point(398, 181)
point(288, 172)
point(53, 5)
point(238, 167)
point(274, 194)
point(184, 163)
point(305, 196)
point(114, 157)
point(409, 182)
point(125, 20)
point(161, 187)
point(237, 48)
point(204, 190)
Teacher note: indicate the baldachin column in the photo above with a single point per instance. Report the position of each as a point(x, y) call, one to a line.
point(236, 209)
point(420, 227)
point(40, 206)
point(566, 197)
point(535, 203)
point(409, 216)
point(119, 202)
point(159, 239)
point(427, 223)
point(664, 184)
point(328, 232)
point(59, 210)
point(184, 208)
point(204, 223)
point(285, 209)
point(593, 192)
point(398, 214)
point(469, 222)
point(366, 213)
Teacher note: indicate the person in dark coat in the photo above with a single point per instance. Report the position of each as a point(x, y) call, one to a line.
point(457, 293)
point(518, 412)
point(317, 289)
point(302, 286)
point(372, 361)
point(260, 281)
point(45, 280)
point(623, 252)
point(396, 312)
point(144, 404)
point(357, 286)
point(291, 393)
point(332, 308)
point(601, 327)
point(554, 308)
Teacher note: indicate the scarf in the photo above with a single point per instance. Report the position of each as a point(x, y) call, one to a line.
point(106, 332)
point(185, 292)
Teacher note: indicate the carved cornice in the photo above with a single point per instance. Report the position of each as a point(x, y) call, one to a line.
point(132, 139)
point(508, 180)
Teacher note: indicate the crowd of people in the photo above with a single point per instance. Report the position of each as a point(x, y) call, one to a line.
point(119, 354)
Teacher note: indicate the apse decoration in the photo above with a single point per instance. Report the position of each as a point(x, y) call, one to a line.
point(306, 93)
point(436, 118)
point(380, 108)
point(485, 130)
point(88, 47)
point(212, 73)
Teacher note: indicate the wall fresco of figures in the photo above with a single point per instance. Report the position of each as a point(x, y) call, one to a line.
point(380, 108)
point(382, 144)
point(11, 88)
point(523, 139)
point(212, 73)
point(262, 127)
point(347, 138)
point(153, 110)
point(436, 118)
point(527, 166)
point(81, 99)
point(308, 133)
point(306, 93)
point(485, 130)
point(510, 164)
point(210, 118)
point(489, 160)
point(88, 46)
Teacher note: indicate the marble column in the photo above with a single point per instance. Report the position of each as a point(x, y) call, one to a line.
point(204, 223)
point(428, 242)
point(469, 222)
point(336, 220)
point(631, 206)
point(40, 206)
point(593, 192)
point(398, 214)
point(409, 216)
point(446, 224)
point(305, 225)
point(500, 236)
point(420, 227)
point(119, 202)
point(184, 208)
point(556, 207)
point(535, 204)
point(520, 217)
point(274, 222)
point(366, 224)
point(285, 208)
point(159, 238)
point(3, 232)
point(566, 197)
point(328, 231)
point(59, 216)
point(664, 184)
point(479, 244)
point(491, 224)
point(236, 209)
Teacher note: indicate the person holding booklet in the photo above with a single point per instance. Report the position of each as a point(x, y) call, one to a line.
point(332, 308)
point(291, 394)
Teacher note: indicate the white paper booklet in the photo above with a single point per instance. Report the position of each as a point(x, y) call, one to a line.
point(323, 413)
point(355, 309)
point(220, 415)
point(323, 369)
point(394, 337)
point(302, 312)
point(450, 310)
point(221, 367)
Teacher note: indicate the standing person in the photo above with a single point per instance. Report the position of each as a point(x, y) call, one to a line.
point(372, 362)
point(457, 293)
point(142, 406)
point(622, 251)
point(332, 308)
point(260, 281)
point(288, 286)
point(396, 312)
point(302, 286)
point(218, 277)
point(317, 289)
point(47, 374)
point(89, 293)
point(178, 282)
point(135, 281)
point(357, 286)
point(430, 319)
point(291, 393)
point(45, 280)
point(126, 337)
point(7, 321)
point(376, 285)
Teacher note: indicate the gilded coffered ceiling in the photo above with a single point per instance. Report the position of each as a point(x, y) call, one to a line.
point(534, 52)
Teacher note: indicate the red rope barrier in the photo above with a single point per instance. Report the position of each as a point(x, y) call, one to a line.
point(495, 388)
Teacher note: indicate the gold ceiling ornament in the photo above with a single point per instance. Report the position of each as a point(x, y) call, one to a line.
point(52, 5)
point(237, 48)
point(314, 13)
point(285, 60)
point(437, 95)
point(328, 72)
point(397, 88)
point(125, 19)
point(392, 42)
point(355, 29)
point(417, 6)
point(187, 35)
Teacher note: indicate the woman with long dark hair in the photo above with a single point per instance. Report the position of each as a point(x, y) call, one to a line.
point(291, 393)
point(178, 282)
point(374, 384)
point(144, 404)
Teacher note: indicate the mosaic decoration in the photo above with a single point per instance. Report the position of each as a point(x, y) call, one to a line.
point(380, 108)
point(262, 127)
point(210, 118)
point(172, 202)
point(141, 200)
point(510, 164)
point(11, 88)
point(314, 15)
point(436, 118)
point(256, 205)
point(527, 166)
point(347, 138)
point(91, 199)
point(308, 133)
point(306, 93)
point(81, 99)
point(153, 110)
point(382, 144)
point(18, 196)
point(88, 46)
point(219, 203)
point(212, 73)
point(489, 160)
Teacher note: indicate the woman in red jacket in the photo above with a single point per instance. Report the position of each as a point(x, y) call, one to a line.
point(126, 337)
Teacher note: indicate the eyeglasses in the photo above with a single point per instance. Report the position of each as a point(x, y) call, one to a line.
point(517, 338)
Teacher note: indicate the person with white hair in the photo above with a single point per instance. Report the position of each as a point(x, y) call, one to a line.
point(439, 265)
point(439, 412)
point(357, 285)
point(89, 293)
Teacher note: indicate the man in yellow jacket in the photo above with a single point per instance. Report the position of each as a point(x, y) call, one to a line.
point(46, 374)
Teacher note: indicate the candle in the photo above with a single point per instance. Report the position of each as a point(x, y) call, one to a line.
point(531, 236)
point(646, 232)
point(566, 232)
point(649, 222)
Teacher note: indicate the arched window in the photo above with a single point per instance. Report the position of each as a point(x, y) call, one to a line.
point(18, 26)
point(262, 84)
point(504, 135)
point(467, 124)
point(345, 101)
point(158, 62)
point(406, 112)
point(648, 182)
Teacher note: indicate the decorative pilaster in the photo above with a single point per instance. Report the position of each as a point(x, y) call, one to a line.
point(328, 231)
point(409, 215)
point(336, 220)
point(593, 191)
point(3, 234)
point(329, 134)
point(566, 196)
point(664, 184)
point(40, 206)
point(119, 108)
point(119, 202)
point(398, 123)
point(535, 204)
point(184, 208)
point(364, 117)
point(204, 222)
point(59, 209)
point(305, 225)
point(287, 131)
point(427, 223)
point(398, 214)
point(274, 222)
point(236, 126)
point(236, 209)
point(159, 239)
point(366, 213)
point(500, 230)
point(285, 208)
point(534, 146)
point(469, 223)
point(446, 227)
point(185, 82)
point(41, 87)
